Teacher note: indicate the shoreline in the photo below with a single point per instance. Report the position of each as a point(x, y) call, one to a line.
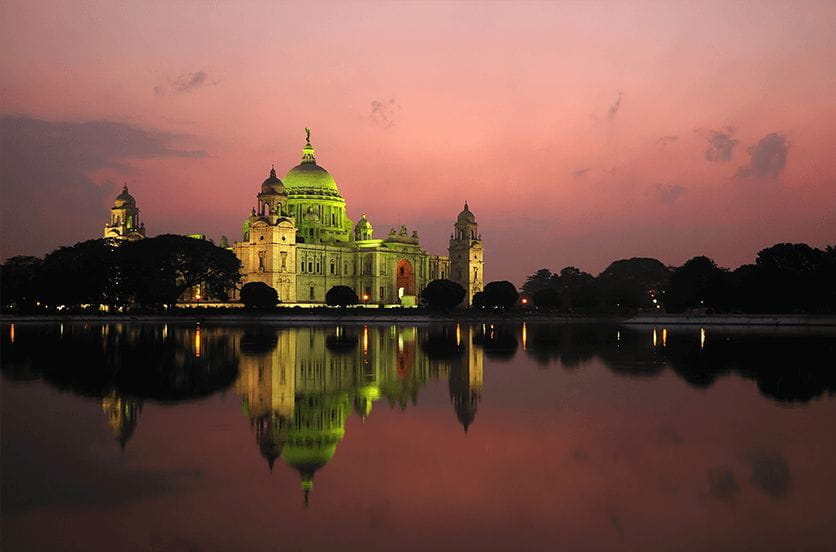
point(381, 318)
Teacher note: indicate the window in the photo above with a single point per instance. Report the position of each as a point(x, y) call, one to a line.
point(345, 268)
point(382, 293)
point(310, 266)
point(312, 293)
point(318, 268)
point(333, 219)
point(284, 260)
point(333, 268)
point(302, 267)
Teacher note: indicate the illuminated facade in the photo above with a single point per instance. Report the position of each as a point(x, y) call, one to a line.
point(124, 219)
point(300, 241)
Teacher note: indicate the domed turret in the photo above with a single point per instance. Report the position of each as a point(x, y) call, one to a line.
point(466, 217)
point(363, 230)
point(124, 219)
point(272, 185)
point(124, 199)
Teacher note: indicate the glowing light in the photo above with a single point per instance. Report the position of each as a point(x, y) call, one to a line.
point(458, 335)
point(702, 338)
point(524, 301)
point(165, 331)
point(524, 337)
point(654, 337)
point(197, 342)
point(618, 335)
point(664, 337)
point(61, 329)
point(365, 339)
point(365, 297)
point(12, 333)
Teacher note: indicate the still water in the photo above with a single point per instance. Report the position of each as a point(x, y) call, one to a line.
point(437, 437)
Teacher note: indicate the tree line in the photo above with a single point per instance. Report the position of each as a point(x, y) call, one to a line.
point(785, 278)
point(148, 274)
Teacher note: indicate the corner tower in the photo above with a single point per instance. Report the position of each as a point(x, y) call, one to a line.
point(124, 219)
point(466, 258)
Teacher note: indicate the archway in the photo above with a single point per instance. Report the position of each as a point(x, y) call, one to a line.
point(404, 278)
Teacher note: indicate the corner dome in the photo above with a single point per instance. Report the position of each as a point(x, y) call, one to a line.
point(124, 199)
point(466, 217)
point(363, 223)
point(272, 185)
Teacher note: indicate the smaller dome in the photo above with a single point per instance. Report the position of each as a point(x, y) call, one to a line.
point(272, 185)
point(466, 217)
point(363, 223)
point(124, 199)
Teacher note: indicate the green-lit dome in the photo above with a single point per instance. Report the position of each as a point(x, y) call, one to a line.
point(308, 178)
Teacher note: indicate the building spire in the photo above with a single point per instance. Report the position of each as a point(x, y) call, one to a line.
point(308, 150)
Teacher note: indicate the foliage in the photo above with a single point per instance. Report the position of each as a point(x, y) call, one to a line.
point(546, 299)
point(541, 279)
point(85, 273)
point(443, 294)
point(699, 284)
point(341, 296)
point(500, 295)
point(19, 282)
point(631, 284)
point(258, 295)
point(157, 271)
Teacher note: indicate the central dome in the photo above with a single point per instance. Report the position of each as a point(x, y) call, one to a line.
point(308, 178)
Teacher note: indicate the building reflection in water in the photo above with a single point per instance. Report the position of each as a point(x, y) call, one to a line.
point(122, 416)
point(298, 386)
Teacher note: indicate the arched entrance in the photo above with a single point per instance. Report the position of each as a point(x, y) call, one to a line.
point(404, 278)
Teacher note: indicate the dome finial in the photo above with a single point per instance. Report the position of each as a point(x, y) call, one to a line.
point(308, 150)
point(307, 135)
point(466, 208)
point(273, 170)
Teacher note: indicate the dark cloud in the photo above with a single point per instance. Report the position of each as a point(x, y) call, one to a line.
point(665, 141)
point(668, 436)
point(383, 113)
point(187, 82)
point(611, 113)
point(722, 484)
point(767, 158)
point(580, 172)
point(770, 472)
point(721, 144)
point(668, 193)
point(49, 199)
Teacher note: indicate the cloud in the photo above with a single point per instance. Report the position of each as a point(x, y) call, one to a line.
point(668, 193)
point(721, 144)
point(770, 472)
point(665, 141)
point(611, 113)
point(49, 199)
point(767, 158)
point(722, 484)
point(383, 113)
point(187, 82)
point(580, 172)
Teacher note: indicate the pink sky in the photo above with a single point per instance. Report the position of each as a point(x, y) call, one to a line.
point(513, 107)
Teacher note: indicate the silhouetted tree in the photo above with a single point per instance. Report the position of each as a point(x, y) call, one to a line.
point(699, 283)
point(546, 299)
point(19, 282)
point(541, 279)
point(85, 273)
point(443, 294)
point(341, 296)
point(501, 295)
point(795, 277)
point(258, 295)
point(627, 284)
point(157, 271)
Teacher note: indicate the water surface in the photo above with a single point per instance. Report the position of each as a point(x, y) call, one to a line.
point(470, 437)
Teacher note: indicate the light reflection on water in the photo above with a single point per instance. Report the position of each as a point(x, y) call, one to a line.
point(587, 433)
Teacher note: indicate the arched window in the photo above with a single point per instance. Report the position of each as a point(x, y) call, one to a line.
point(333, 268)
